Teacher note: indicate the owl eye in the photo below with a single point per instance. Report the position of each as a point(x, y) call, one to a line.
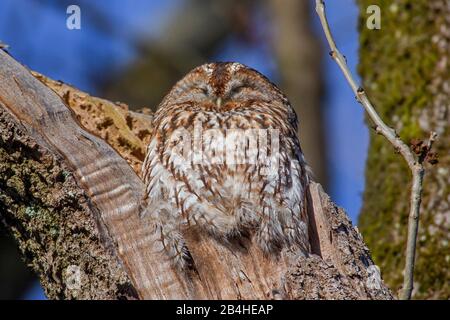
point(203, 90)
point(237, 89)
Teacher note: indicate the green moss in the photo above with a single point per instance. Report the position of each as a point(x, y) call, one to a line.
point(397, 65)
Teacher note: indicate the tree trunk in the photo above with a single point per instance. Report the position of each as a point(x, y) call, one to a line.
point(299, 58)
point(71, 200)
point(405, 69)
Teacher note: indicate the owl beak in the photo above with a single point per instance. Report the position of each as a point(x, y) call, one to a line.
point(219, 102)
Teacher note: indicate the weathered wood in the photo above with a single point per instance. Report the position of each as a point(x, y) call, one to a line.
point(105, 195)
point(51, 218)
point(126, 131)
point(113, 189)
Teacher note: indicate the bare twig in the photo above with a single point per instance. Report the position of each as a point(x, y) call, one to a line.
point(414, 162)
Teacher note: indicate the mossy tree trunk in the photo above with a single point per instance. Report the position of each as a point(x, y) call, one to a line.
point(405, 70)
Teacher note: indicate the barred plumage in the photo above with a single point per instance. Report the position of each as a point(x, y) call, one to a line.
point(224, 158)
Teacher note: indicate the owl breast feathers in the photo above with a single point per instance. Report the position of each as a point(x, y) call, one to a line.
point(224, 158)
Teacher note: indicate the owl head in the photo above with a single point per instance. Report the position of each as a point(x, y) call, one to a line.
point(223, 86)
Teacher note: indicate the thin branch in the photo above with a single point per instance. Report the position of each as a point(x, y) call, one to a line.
point(431, 140)
point(415, 163)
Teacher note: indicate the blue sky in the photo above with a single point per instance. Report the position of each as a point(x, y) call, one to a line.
point(39, 39)
point(348, 134)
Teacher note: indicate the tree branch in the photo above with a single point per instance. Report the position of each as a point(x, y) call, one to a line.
point(414, 162)
point(70, 198)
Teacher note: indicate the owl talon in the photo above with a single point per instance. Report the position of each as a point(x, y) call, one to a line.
point(174, 244)
point(183, 261)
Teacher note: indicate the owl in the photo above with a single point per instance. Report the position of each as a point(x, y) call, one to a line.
point(224, 158)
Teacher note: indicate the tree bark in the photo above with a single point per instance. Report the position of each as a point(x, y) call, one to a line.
point(405, 70)
point(70, 199)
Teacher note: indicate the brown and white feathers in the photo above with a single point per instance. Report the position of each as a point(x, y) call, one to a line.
point(224, 158)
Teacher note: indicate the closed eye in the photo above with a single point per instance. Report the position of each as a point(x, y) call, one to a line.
point(237, 89)
point(203, 90)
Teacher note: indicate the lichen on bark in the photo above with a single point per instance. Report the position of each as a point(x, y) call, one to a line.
point(405, 71)
point(49, 216)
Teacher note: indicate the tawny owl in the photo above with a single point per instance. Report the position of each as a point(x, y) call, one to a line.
point(224, 158)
